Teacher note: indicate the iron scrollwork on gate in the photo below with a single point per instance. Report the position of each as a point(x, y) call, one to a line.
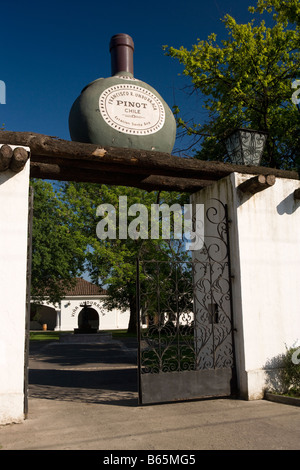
point(166, 301)
point(185, 322)
point(212, 289)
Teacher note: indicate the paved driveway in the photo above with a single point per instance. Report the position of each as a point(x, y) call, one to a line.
point(84, 397)
point(90, 373)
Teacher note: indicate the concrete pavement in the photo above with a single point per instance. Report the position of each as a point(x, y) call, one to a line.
point(84, 397)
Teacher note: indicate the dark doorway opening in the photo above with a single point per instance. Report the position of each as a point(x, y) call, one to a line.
point(88, 320)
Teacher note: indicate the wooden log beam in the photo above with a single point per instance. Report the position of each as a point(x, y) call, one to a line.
point(257, 183)
point(13, 159)
point(147, 182)
point(18, 159)
point(46, 149)
point(5, 157)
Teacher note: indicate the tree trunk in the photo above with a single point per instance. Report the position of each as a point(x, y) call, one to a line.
point(132, 326)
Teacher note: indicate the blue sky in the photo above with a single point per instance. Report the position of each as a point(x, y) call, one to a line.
point(51, 50)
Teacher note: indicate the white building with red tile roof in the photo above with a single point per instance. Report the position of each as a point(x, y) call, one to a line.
point(67, 315)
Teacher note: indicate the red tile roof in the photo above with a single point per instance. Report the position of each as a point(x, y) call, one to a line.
point(83, 287)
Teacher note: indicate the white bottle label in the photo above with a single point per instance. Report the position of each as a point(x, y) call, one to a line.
point(132, 109)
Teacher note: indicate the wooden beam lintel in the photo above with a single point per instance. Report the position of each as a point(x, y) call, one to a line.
point(136, 161)
point(113, 167)
point(142, 181)
point(13, 159)
point(257, 183)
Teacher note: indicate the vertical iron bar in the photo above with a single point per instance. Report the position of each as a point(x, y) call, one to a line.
point(159, 318)
point(138, 316)
point(28, 292)
point(234, 384)
point(178, 317)
point(212, 315)
point(196, 321)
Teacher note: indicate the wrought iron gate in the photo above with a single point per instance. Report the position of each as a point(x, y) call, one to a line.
point(185, 323)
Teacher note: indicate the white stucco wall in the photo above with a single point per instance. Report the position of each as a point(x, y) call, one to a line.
point(13, 264)
point(265, 262)
point(108, 320)
point(269, 251)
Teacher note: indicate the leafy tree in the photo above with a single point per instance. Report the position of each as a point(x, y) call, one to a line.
point(246, 81)
point(111, 262)
point(58, 249)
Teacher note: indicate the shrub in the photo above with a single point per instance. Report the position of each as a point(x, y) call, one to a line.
point(291, 372)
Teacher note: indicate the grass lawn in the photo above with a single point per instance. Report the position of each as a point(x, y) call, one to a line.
point(44, 336)
point(55, 335)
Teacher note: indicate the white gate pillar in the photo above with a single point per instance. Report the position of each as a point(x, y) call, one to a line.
point(14, 191)
point(264, 239)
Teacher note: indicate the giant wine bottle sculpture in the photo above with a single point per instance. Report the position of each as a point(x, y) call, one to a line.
point(121, 111)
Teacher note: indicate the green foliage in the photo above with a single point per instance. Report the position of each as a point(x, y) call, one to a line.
point(65, 242)
point(291, 373)
point(246, 81)
point(285, 12)
point(167, 358)
point(111, 263)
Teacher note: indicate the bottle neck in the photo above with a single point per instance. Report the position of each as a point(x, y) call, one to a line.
point(121, 50)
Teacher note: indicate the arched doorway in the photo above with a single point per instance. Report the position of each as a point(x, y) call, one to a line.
point(88, 320)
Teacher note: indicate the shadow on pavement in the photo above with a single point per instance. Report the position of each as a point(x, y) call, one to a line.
point(114, 387)
point(91, 373)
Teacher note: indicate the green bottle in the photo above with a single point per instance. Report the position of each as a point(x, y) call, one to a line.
point(121, 111)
